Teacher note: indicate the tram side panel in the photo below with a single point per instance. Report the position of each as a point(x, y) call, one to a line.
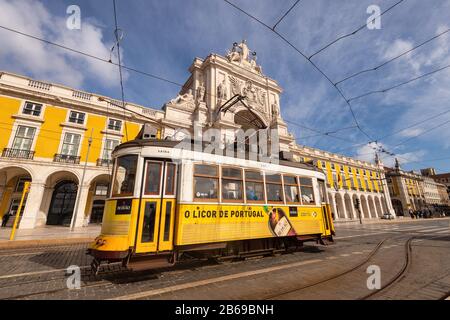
point(210, 223)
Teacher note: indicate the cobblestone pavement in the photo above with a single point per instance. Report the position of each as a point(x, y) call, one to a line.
point(40, 273)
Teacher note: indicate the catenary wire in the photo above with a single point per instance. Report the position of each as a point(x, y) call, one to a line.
point(107, 61)
point(284, 16)
point(400, 84)
point(354, 32)
point(392, 59)
point(308, 59)
point(122, 91)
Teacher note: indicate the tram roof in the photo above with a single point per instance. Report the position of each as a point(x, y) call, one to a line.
point(172, 144)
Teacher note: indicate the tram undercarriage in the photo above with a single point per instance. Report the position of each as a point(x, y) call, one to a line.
point(224, 251)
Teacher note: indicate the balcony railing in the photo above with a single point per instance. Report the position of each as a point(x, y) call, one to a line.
point(18, 154)
point(104, 162)
point(65, 158)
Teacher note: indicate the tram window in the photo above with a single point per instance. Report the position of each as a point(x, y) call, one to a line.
point(306, 190)
point(206, 182)
point(148, 226)
point(125, 176)
point(254, 186)
point(153, 178)
point(274, 188)
point(291, 189)
point(170, 179)
point(232, 184)
point(205, 170)
point(167, 221)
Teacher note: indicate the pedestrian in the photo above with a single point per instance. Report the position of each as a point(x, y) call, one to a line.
point(5, 219)
point(411, 213)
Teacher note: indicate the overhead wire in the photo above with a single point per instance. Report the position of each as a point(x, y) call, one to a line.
point(308, 59)
point(392, 59)
point(354, 32)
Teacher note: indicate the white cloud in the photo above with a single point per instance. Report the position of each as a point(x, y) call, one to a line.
point(367, 153)
point(411, 132)
point(397, 48)
point(29, 56)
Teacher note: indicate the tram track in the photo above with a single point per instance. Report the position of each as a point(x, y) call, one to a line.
point(332, 277)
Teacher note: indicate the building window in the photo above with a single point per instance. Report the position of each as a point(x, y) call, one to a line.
point(114, 125)
point(77, 117)
point(306, 190)
point(21, 183)
point(24, 138)
point(333, 167)
point(232, 184)
point(206, 182)
point(71, 144)
point(359, 184)
point(254, 186)
point(32, 109)
point(110, 145)
point(101, 190)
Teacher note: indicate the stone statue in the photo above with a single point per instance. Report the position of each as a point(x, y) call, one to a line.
point(244, 50)
point(201, 93)
point(240, 53)
point(222, 91)
point(275, 109)
point(187, 97)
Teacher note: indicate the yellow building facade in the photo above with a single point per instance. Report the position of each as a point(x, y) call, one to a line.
point(48, 133)
point(350, 181)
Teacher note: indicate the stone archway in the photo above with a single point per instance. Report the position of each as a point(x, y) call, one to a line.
point(398, 207)
point(340, 206)
point(12, 180)
point(95, 203)
point(349, 206)
point(58, 202)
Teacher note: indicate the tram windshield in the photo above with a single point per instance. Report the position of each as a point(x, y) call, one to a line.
point(125, 176)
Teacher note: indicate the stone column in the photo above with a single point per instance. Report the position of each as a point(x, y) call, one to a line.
point(352, 208)
point(32, 206)
point(344, 209)
point(83, 194)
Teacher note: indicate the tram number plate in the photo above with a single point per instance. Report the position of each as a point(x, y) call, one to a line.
point(124, 206)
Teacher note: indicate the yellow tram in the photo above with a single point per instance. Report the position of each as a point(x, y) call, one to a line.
point(166, 201)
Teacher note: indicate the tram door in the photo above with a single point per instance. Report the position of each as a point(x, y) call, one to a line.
point(157, 211)
point(326, 212)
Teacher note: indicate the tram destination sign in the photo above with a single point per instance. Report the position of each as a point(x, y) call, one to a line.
point(124, 206)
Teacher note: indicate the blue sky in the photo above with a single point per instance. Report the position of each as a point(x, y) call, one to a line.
point(163, 38)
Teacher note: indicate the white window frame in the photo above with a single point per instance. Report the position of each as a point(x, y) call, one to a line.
point(24, 103)
point(32, 139)
point(112, 130)
point(104, 145)
point(76, 123)
point(71, 131)
point(24, 123)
